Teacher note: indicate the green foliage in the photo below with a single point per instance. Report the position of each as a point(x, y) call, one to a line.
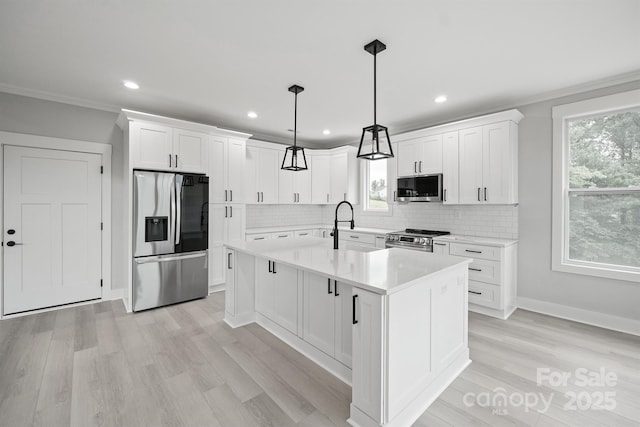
point(605, 153)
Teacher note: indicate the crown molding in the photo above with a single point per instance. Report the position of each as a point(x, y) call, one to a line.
point(56, 97)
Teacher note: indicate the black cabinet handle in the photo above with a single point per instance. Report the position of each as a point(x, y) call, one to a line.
point(354, 309)
point(475, 269)
point(420, 166)
point(354, 237)
point(395, 196)
point(439, 244)
point(270, 271)
point(226, 212)
point(485, 194)
point(229, 261)
point(231, 211)
point(445, 194)
point(474, 292)
point(329, 286)
point(11, 231)
point(335, 287)
point(169, 160)
point(176, 160)
point(473, 252)
point(274, 267)
point(479, 194)
point(231, 195)
point(225, 195)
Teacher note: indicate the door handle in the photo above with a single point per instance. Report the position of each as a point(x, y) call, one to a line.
point(475, 269)
point(225, 195)
point(445, 194)
point(472, 251)
point(258, 193)
point(274, 267)
point(225, 212)
point(420, 166)
point(176, 160)
point(231, 211)
point(335, 287)
point(229, 261)
point(169, 160)
point(329, 286)
point(270, 271)
point(479, 194)
point(415, 167)
point(354, 320)
point(476, 293)
point(231, 195)
point(262, 197)
point(485, 194)
point(12, 243)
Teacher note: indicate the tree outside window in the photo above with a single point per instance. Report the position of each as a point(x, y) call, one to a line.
point(376, 199)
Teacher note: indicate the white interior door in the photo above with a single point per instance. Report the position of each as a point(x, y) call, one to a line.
point(52, 214)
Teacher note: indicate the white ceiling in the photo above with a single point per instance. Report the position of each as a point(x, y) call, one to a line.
point(213, 61)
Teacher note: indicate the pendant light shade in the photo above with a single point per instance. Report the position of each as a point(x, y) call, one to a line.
point(375, 143)
point(294, 158)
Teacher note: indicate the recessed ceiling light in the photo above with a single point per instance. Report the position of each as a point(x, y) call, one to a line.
point(131, 85)
point(252, 114)
point(440, 99)
point(326, 132)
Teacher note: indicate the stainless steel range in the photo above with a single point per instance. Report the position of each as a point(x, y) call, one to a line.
point(412, 238)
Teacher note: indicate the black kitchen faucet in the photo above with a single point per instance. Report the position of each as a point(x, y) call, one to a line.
point(335, 223)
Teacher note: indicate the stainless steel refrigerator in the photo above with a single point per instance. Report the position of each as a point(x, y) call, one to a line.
point(170, 238)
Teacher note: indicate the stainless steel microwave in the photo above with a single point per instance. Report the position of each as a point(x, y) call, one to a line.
point(424, 188)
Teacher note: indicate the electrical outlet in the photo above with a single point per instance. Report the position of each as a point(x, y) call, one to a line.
point(457, 214)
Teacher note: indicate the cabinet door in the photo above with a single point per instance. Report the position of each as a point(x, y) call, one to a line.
point(286, 299)
point(151, 146)
point(235, 222)
point(251, 192)
point(265, 289)
point(392, 173)
point(339, 173)
point(217, 236)
point(367, 369)
point(235, 155)
point(450, 168)
point(470, 161)
point(230, 283)
point(431, 159)
point(218, 192)
point(318, 310)
point(190, 150)
point(496, 163)
point(285, 183)
point(408, 154)
point(320, 179)
point(302, 186)
point(441, 248)
point(343, 324)
point(267, 176)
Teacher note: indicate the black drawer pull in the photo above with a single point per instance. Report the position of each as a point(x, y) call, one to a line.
point(229, 261)
point(474, 292)
point(329, 286)
point(439, 244)
point(270, 271)
point(335, 287)
point(354, 237)
point(475, 269)
point(274, 267)
point(473, 252)
point(355, 321)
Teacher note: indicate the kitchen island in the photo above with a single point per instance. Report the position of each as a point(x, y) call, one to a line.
point(392, 322)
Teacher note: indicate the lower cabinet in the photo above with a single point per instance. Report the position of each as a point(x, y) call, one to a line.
point(277, 293)
point(326, 316)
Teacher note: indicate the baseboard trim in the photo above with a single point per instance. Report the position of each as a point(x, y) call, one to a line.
point(602, 320)
point(216, 288)
point(113, 294)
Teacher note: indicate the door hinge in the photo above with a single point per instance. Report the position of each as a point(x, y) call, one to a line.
point(102, 226)
point(101, 169)
point(100, 282)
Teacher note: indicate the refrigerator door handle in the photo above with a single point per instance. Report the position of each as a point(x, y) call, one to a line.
point(169, 258)
point(178, 207)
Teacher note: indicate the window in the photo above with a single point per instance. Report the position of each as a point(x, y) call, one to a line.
point(596, 209)
point(376, 184)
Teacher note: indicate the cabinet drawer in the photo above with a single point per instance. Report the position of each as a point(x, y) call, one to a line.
point(304, 233)
point(350, 236)
point(259, 236)
point(282, 235)
point(484, 294)
point(475, 251)
point(483, 270)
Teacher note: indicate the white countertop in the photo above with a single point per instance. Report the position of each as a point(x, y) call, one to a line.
point(260, 230)
point(383, 271)
point(478, 240)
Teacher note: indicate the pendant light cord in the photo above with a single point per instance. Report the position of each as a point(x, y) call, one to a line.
point(295, 121)
point(375, 54)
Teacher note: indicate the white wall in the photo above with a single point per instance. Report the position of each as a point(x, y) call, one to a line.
point(32, 116)
point(535, 279)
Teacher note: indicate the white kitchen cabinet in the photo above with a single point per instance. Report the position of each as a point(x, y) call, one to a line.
point(326, 314)
point(282, 235)
point(344, 176)
point(450, 169)
point(420, 156)
point(441, 248)
point(320, 178)
point(367, 364)
point(258, 236)
point(276, 289)
point(226, 223)
point(305, 233)
point(261, 177)
point(294, 187)
point(381, 241)
point(239, 287)
point(159, 147)
point(230, 299)
point(488, 164)
point(226, 170)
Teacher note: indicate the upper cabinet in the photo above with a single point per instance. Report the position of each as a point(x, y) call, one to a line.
point(420, 156)
point(294, 187)
point(160, 147)
point(320, 178)
point(343, 176)
point(450, 168)
point(226, 170)
point(262, 169)
point(488, 160)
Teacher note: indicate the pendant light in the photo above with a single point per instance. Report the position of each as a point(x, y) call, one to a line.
point(294, 158)
point(375, 143)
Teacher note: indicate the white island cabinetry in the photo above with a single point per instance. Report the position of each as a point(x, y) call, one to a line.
point(353, 311)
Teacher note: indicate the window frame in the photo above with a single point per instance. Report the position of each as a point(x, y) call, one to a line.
point(561, 114)
point(365, 190)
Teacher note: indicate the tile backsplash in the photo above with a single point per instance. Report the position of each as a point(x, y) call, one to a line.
point(485, 220)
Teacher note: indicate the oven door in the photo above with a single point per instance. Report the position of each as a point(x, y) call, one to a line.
point(404, 246)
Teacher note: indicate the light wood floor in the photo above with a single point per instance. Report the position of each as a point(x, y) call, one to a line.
point(182, 365)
